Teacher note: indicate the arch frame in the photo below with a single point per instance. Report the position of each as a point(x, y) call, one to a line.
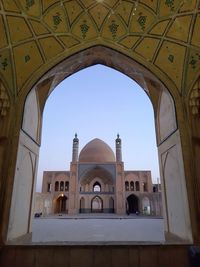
point(102, 204)
point(59, 201)
point(133, 207)
point(49, 81)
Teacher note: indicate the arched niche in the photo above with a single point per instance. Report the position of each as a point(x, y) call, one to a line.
point(146, 206)
point(168, 134)
point(96, 173)
point(82, 205)
point(61, 204)
point(126, 185)
point(133, 204)
point(96, 204)
point(96, 187)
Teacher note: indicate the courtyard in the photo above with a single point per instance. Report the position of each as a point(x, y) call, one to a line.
point(97, 228)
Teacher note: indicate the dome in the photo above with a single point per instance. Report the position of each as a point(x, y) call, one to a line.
point(96, 151)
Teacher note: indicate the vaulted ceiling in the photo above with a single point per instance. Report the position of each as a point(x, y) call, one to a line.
point(162, 34)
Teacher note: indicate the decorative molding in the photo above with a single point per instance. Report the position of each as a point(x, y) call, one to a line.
point(194, 101)
point(4, 101)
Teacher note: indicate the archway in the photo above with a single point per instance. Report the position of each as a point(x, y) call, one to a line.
point(96, 205)
point(133, 204)
point(61, 204)
point(146, 209)
point(168, 134)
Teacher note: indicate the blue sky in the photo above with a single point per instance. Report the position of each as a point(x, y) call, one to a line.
point(98, 102)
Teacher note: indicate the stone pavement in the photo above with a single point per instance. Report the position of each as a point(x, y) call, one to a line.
point(97, 228)
point(98, 216)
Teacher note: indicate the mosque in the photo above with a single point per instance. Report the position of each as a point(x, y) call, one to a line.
point(98, 183)
point(157, 44)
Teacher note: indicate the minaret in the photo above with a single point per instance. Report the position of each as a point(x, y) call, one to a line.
point(118, 149)
point(75, 149)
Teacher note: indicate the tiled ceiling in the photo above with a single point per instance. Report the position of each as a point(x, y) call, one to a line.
point(163, 34)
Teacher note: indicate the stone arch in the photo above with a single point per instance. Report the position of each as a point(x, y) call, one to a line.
point(96, 204)
point(133, 204)
point(61, 204)
point(154, 88)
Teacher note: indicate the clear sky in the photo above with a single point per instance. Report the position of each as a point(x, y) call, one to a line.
point(98, 102)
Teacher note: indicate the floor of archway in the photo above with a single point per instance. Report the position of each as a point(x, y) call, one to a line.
point(98, 228)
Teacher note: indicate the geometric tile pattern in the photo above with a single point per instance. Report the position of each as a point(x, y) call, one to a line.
point(161, 34)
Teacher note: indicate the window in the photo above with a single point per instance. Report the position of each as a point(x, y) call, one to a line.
point(62, 186)
point(156, 188)
point(49, 187)
point(137, 186)
point(127, 186)
point(132, 186)
point(145, 187)
point(97, 187)
point(66, 186)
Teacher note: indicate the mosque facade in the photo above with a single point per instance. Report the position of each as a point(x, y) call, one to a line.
point(98, 183)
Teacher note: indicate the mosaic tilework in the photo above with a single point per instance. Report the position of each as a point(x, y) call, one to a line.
point(162, 35)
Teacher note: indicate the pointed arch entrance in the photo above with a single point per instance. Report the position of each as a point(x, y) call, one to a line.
point(133, 204)
point(96, 205)
point(61, 204)
point(169, 138)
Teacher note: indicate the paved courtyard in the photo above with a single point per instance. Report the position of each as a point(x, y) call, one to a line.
point(96, 229)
